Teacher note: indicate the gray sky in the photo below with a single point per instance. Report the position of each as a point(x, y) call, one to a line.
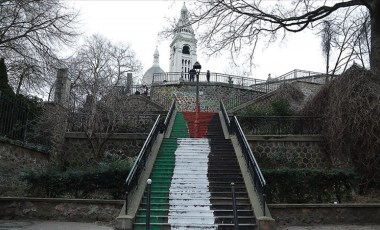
point(139, 22)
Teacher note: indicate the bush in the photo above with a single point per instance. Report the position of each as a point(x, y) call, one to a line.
point(289, 185)
point(349, 107)
point(78, 182)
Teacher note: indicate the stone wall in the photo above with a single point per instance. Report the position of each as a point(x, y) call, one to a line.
point(59, 209)
point(78, 148)
point(13, 160)
point(319, 214)
point(296, 93)
point(209, 94)
point(288, 151)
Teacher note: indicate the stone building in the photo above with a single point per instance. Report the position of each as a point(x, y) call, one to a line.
point(183, 48)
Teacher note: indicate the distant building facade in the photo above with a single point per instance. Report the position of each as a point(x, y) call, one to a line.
point(183, 51)
point(183, 48)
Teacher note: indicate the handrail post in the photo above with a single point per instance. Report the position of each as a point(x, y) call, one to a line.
point(236, 222)
point(264, 196)
point(126, 202)
point(149, 182)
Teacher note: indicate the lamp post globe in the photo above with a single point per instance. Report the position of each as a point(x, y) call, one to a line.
point(197, 66)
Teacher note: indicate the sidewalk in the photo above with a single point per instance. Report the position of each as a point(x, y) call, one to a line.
point(57, 225)
point(49, 225)
point(332, 227)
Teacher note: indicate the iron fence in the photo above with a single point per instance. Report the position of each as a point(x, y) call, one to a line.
point(297, 73)
point(159, 78)
point(17, 119)
point(272, 85)
point(281, 125)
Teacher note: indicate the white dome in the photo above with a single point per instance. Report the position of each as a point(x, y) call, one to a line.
point(148, 75)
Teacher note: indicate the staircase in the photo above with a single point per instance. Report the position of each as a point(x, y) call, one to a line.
point(191, 180)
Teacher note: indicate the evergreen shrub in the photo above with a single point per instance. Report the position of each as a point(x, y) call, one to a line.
point(290, 185)
point(79, 182)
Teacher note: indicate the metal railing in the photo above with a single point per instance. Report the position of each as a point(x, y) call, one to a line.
point(170, 114)
point(281, 125)
point(159, 78)
point(225, 114)
point(272, 85)
point(17, 120)
point(254, 169)
point(139, 163)
point(296, 73)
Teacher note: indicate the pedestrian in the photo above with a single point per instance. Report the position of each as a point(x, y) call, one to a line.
point(181, 78)
point(208, 75)
point(192, 73)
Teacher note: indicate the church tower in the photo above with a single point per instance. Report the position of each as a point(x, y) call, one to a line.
point(183, 48)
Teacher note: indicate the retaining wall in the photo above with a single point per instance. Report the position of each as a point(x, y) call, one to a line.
point(78, 147)
point(320, 214)
point(59, 209)
point(13, 160)
point(291, 151)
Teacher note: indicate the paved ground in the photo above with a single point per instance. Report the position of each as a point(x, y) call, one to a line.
point(56, 225)
point(49, 225)
point(333, 227)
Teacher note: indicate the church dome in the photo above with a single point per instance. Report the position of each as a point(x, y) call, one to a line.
point(148, 75)
point(155, 69)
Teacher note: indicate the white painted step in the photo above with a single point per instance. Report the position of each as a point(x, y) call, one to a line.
point(189, 193)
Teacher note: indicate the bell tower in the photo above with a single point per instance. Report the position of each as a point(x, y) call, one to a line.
point(183, 48)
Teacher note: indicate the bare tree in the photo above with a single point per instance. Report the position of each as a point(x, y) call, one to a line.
point(31, 33)
point(327, 35)
point(347, 37)
point(238, 25)
point(97, 70)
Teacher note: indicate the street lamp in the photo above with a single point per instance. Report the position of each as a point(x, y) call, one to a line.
point(197, 68)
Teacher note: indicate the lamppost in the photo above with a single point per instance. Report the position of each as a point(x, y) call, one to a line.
point(197, 68)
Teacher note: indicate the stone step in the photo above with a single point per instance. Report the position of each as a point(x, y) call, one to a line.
point(217, 212)
point(223, 206)
point(165, 226)
point(196, 199)
point(195, 217)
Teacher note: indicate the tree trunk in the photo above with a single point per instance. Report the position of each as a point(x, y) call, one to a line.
point(375, 38)
point(20, 82)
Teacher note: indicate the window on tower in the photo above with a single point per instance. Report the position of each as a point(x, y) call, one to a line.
point(186, 49)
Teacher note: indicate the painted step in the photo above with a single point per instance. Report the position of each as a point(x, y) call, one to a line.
point(194, 217)
point(165, 226)
point(217, 212)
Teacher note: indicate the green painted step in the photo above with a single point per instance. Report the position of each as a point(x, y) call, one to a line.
point(162, 173)
point(180, 129)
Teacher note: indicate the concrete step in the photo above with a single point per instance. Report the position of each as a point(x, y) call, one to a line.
point(164, 226)
point(195, 217)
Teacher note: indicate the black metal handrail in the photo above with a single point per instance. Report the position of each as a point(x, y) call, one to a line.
point(225, 114)
point(254, 169)
point(170, 114)
point(139, 163)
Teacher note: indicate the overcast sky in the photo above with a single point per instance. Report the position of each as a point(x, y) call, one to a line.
point(139, 22)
